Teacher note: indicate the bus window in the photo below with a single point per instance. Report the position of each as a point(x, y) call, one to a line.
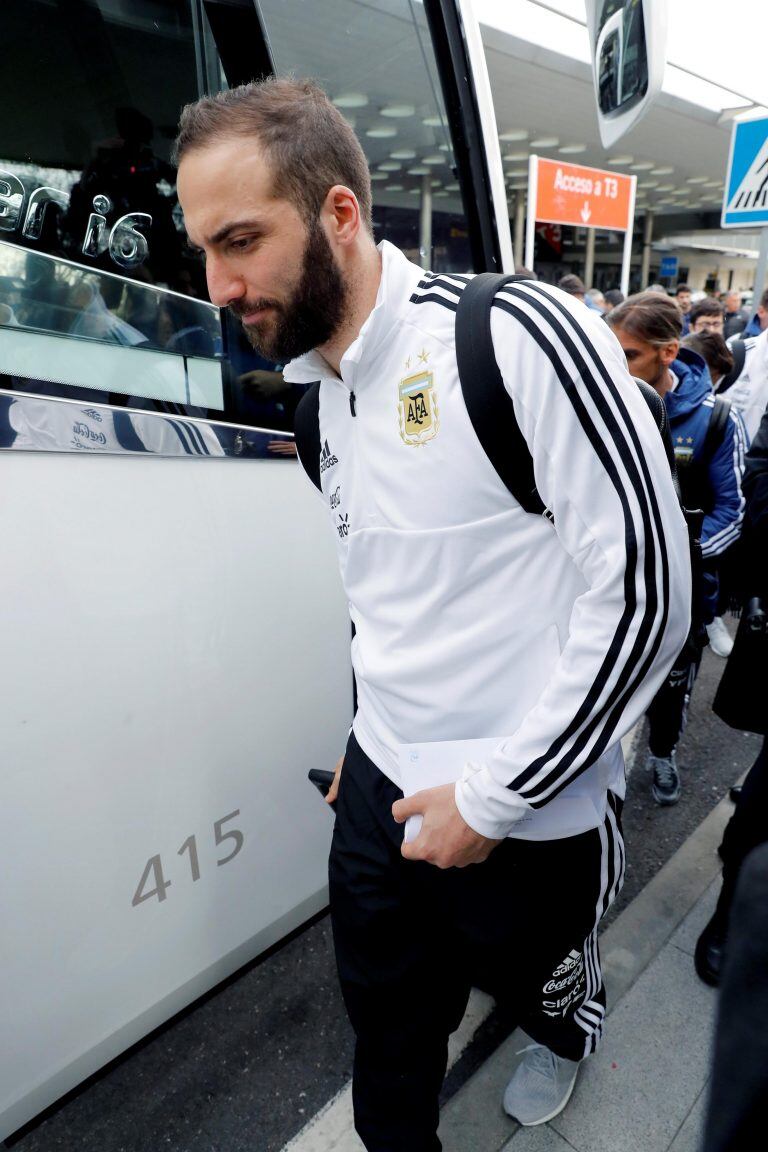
point(379, 69)
point(101, 298)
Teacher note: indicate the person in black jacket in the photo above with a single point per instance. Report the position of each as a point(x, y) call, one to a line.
point(741, 700)
point(738, 1098)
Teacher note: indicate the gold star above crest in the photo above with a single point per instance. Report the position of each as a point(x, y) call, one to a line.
point(423, 356)
point(689, 439)
point(679, 440)
point(407, 363)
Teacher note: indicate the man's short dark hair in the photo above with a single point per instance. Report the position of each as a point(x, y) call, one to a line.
point(614, 296)
point(682, 288)
point(649, 316)
point(307, 142)
point(572, 284)
point(706, 307)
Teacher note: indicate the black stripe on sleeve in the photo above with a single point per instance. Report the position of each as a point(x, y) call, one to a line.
point(433, 298)
point(624, 683)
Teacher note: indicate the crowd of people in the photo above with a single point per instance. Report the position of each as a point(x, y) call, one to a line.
point(709, 361)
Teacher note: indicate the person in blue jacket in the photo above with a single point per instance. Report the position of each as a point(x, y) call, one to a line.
point(760, 319)
point(710, 466)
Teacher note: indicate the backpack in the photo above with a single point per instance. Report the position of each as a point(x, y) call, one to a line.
point(488, 403)
point(739, 352)
point(694, 476)
point(493, 419)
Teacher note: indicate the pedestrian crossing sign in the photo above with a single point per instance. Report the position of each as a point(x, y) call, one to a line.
point(745, 201)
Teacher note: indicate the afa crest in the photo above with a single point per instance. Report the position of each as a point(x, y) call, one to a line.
point(417, 408)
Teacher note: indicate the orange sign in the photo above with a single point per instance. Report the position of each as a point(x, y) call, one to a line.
point(585, 197)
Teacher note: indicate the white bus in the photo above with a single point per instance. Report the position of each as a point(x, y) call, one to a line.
point(175, 643)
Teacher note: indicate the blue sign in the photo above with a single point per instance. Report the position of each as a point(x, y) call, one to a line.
point(668, 266)
point(745, 202)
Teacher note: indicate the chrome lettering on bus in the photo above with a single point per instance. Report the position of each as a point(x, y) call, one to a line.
point(127, 245)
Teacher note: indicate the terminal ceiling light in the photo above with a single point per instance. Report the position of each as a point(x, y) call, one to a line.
point(403, 154)
point(436, 183)
point(350, 100)
point(648, 184)
point(394, 188)
point(659, 187)
point(620, 160)
point(572, 149)
point(696, 180)
point(442, 193)
point(414, 191)
point(398, 111)
point(662, 171)
point(389, 166)
point(514, 134)
point(513, 156)
point(515, 173)
point(382, 131)
point(545, 142)
point(433, 121)
point(642, 166)
point(444, 147)
point(518, 185)
point(434, 159)
point(419, 170)
point(379, 176)
point(451, 187)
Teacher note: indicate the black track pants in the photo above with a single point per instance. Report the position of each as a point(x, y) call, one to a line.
point(748, 826)
point(411, 940)
point(668, 710)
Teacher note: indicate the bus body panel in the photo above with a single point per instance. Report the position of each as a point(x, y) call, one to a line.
point(165, 690)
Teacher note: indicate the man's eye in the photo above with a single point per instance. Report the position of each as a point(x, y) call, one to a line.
point(241, 243)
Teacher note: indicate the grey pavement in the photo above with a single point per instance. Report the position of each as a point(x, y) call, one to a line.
point(646, 1088)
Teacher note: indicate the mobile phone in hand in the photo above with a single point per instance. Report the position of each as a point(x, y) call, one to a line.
point(322, 780)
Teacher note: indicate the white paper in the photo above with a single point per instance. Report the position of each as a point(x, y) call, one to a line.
point(572, 811)
point(438, 762)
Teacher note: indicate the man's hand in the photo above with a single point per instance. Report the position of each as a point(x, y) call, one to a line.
point(333, 791)
point(445, 839)
point(263, 383)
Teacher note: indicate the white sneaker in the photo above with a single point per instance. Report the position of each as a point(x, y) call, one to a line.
point(720, 640)
point(541, 1086)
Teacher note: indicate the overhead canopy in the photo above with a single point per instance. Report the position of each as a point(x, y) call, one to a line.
point(542, 89)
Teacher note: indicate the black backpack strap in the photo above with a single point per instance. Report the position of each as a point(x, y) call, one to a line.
point(713, 437)
point(489, 405)
point(739, 352)
point(660, 415)
point(306, 428)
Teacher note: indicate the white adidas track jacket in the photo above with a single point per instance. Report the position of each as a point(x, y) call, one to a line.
point(474, 618)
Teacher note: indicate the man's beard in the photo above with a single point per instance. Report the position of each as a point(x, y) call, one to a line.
point(312, 314)
point(660, 373)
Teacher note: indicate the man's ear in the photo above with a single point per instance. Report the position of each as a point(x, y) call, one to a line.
point(341, 214)
point(668, 352)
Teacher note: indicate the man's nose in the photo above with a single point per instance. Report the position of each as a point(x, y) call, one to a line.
point(223, 286)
